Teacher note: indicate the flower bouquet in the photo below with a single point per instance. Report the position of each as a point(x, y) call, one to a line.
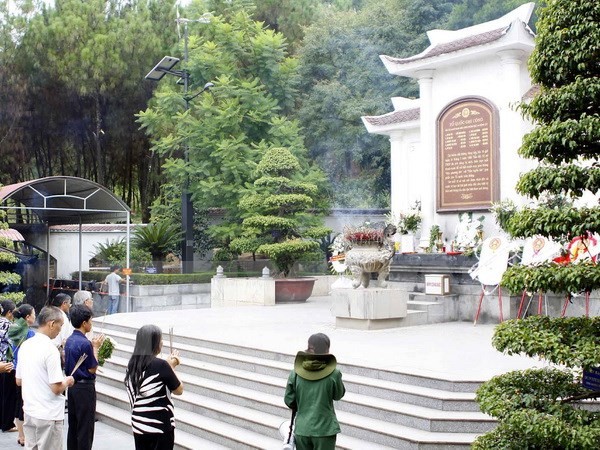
point(106, 350)
point(469, 234)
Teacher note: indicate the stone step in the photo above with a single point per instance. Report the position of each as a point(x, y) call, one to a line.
point(385, 409)
point(201, 422)
point(243, 388)
point(278, 364)
point(254, 374)
point(120, 419)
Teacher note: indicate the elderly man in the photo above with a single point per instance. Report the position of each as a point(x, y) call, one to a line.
point(63, 302)
point(42, 382)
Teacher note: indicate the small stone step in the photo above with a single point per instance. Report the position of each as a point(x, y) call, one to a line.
point(121, 420)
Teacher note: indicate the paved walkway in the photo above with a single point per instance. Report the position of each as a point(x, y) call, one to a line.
point(454, 351)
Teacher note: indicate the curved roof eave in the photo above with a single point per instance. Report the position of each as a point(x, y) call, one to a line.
point(62, 200)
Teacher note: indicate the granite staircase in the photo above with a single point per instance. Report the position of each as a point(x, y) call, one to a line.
point(423, 309)
point(234, 399)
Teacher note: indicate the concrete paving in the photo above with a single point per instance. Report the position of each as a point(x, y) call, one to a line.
point(452, 351)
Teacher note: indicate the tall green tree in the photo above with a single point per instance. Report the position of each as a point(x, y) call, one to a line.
point(342, 79)
point(223, 131)
point(472, 12)
point(84, 63)
point(538, 409)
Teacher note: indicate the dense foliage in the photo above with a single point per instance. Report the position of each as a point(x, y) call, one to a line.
point(282, 219)
point(537, 409)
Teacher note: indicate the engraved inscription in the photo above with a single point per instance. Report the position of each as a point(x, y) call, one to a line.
point(465, 156)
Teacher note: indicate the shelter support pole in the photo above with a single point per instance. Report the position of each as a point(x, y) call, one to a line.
point(47, 261)
point(127, 299)
point(79, 252)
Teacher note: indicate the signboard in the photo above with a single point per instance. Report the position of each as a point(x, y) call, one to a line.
point(467, 162)
point(591, 379)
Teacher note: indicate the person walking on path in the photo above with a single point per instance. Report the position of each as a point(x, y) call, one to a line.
point(311, 388)
point(113, 281)
point(150, 382)
point(8, 391)
point(18, 333)
point(42, 380)
point(82, 395)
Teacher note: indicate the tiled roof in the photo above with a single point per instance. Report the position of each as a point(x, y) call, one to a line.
point(454, 46)
point(532, 92)
point(92, 228)
point(11, 234)
point(406, 115)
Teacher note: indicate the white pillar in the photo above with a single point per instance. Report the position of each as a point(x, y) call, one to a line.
point(428, 153)
point(398, 173)
point(510, 121)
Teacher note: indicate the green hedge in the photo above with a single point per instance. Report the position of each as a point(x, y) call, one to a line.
point(147, 278)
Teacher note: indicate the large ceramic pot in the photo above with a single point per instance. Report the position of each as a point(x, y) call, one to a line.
point(293, 290)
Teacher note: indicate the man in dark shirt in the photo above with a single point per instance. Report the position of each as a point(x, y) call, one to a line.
point(81, 398)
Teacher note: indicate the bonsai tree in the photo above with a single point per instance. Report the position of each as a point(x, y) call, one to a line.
point(538, 408)
point(280, 217)
point(158, 239)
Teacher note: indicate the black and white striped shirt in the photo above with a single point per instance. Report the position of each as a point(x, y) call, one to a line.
point(152, 409)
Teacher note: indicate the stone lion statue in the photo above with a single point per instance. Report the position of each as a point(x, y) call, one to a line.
point(362, 261)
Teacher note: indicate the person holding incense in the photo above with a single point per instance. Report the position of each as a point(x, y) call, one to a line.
point(81, 361)
point(41, 378)
point(150, 381)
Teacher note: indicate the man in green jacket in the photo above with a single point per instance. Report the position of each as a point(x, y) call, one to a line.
point(311, 388)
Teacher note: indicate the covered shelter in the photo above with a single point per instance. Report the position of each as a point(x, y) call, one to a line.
point(34, 206)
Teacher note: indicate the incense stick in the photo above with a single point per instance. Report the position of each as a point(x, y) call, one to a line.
point(79, 363)
point(171, 339)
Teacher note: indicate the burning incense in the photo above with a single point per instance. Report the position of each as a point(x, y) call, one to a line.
point(171, 339)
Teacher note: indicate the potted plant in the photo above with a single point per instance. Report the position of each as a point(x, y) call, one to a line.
point(407, 224)
point(282, 220)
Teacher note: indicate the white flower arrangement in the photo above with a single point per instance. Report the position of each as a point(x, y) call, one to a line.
point(468, 233)
point(407, 222)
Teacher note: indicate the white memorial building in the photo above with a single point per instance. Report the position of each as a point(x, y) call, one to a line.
point(455, 148)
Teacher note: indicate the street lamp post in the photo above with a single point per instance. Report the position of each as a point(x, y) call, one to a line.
point(164, 67)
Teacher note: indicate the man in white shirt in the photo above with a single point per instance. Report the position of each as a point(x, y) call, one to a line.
point(113, 281)
point(42, 382)
point(63, 302)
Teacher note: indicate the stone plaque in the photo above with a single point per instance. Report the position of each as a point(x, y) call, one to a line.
point(467, 149)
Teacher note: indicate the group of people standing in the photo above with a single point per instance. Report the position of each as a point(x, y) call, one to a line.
point(37, 367)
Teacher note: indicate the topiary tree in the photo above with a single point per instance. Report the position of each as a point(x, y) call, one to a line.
point(538, 408)
point(280, 219)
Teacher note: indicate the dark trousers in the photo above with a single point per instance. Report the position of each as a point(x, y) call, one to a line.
point(81, 401)
point(8, 400)
point(153, 441)
point(315, 443)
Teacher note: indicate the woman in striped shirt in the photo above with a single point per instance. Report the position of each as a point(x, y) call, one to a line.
point(150, 382)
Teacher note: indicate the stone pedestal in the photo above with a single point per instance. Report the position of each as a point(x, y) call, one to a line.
point(369, 309)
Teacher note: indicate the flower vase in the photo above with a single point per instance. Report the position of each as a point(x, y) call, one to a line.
point(407, 243)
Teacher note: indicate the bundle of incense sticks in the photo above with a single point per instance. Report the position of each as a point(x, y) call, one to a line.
point(79, 363)
point(171, 339)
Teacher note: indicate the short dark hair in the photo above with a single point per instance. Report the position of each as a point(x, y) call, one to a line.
point(80, 314)
point(48, 314)
point(115, 267)
point(7, 306)
point(60, 299)
point(319, 343)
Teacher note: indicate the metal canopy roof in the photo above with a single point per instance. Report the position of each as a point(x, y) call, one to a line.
point(62, 200)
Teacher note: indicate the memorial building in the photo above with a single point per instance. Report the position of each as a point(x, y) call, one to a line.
point(455, 148)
